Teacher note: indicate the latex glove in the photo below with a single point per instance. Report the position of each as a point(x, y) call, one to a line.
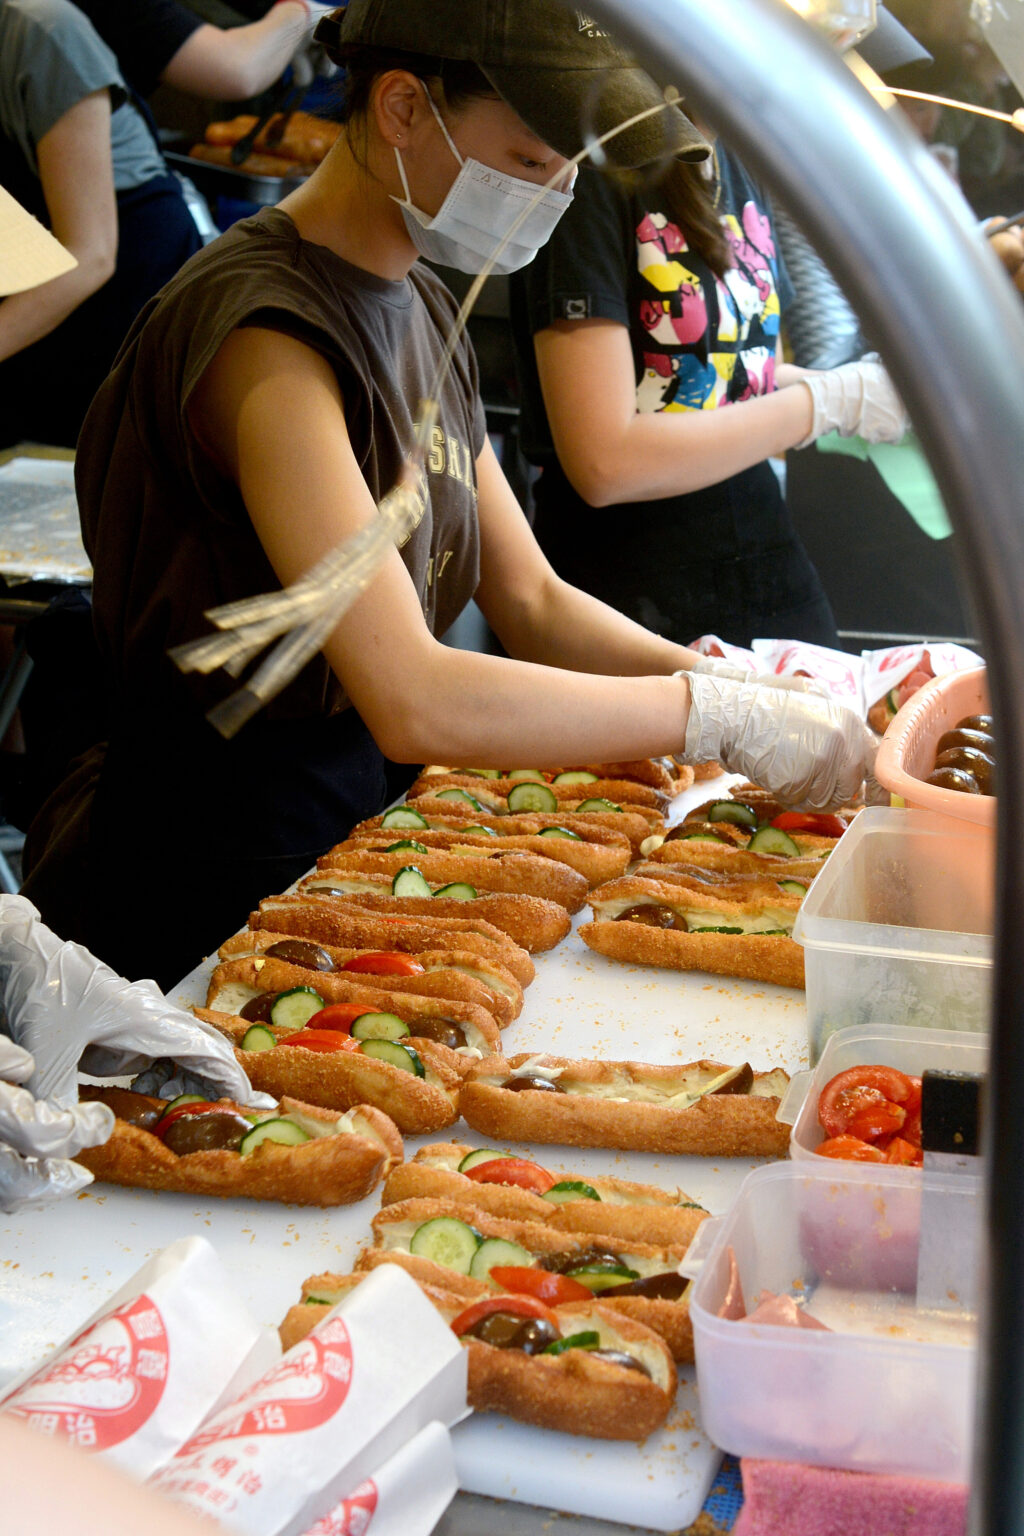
point(65, 1007)
point(37, 1139)
point(856, 400)
point(717, 666)
point(811, 752)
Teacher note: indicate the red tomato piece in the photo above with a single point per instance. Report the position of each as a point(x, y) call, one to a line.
point(323, 1040)
point(384, 962)
point(859, 1088)
point(168, 1119)
point(850, 1147)
point(901, 1151)
point(818, 823)
point(876, 1121)
point(512, 1170)
point(540, 1284)
point(339, 1016)
point(911, 684)
point(519, 1306)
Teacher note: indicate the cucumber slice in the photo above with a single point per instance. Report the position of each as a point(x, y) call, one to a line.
point(379, 1026)
point(570, 1189)
point(410, 882)
point(701, 837)
point(402, 1056)
point(446, 1241)
point(589, 1339)
point(258, 1038)
point(792, 887)
point(529, 796)
point(458, 890)
point(451, 793)
point(407, 842)
point(575, 776)
point(712, 929)
point(479, 1155)
point(559, 832)
point(484, 773)
point(185, 1098)
point(598, 803)
point(732, 810)
point(891, 702)
point(285, 1133)
point(403, 816)
point(773, 840)
point(488, 831)
point(294, 1009)
point(598, 1277)
point(533, 774)
point(497, 1250)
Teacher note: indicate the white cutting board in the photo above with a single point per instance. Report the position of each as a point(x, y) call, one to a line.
point(58, 1265)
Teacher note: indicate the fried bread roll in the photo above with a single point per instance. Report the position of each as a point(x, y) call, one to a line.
point(595, 861)
point(450, 973)
point(305, 136)
point(333, 921)
point(651, 1289)
point(616, 1207)
point(703, 1107)
point(731, 860)
point(533, 923)
point(606, 827)
point(575, 1391)
point(488, 870)
point(340, 1079)
point(661, 773)
point(256, 164)
point(341, 1159)
point(495, 792)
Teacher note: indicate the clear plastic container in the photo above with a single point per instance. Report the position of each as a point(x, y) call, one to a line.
point(891, 1387)
point(907, 754)
point(908, 1050)
point(897, 928)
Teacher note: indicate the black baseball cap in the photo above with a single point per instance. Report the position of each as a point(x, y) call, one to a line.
point(565, 75)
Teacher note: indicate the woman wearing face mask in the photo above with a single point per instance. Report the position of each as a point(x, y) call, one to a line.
point(256, 415)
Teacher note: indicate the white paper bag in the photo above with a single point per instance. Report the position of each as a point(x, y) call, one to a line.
point(405, 1497)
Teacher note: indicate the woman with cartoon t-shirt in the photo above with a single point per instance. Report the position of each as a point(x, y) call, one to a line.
point(648, 311)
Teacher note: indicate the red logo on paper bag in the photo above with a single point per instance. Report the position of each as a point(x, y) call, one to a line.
point(107, 1382)
point(352, 1516)
point(303, 1391)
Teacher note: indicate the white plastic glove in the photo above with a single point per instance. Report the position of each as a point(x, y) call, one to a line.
point(37, 1139)
point(717, 666)
point(811, 752)
point(67, 1008)
point(856, 400)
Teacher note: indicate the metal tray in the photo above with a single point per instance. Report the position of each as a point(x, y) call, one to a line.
point(216, 181)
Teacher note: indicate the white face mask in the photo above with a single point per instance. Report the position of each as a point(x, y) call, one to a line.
point(481, 207)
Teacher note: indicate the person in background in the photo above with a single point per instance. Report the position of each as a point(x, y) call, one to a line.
point(79, 156)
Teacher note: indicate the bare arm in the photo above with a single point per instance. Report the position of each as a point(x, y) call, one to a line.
point(611, 452)
point(237, 62)
point(78, 185)
point(268, 410)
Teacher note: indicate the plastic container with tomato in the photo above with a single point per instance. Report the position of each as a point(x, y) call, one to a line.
point(897, 927)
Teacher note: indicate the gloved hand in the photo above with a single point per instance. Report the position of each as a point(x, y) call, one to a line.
point(856, 400)
point(811, 752)
point(717, 666)
point(65, 1007)
point(37, 1139)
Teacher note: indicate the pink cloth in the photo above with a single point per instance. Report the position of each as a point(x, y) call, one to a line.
point(782, 1498)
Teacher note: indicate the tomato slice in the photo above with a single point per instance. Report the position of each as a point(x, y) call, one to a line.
point(818, 823)
point(851, 1147)
point(519, 1306)
point(876, 1121)
point(512, 1170)
point(860, 1089)
point(539, 1283)
point(167, 1120)
point(339, 1016)
point(323, 1040)
point(904, 1152)
point(384, 962)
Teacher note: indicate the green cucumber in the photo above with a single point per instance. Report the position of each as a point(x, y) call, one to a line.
point(589, 1339)
point(379, 1026)
point(598, 1277)
point(534, 775)
point(479, 1155)
point(773, 840)
point(294, 1009)
point(284, 1133)
point(185, 1098)
point(559, 832)
point(529, 796)
point(570, 1189)
point(484, 773)
point(497, 1250)
point(792, 887)
point(891, 702)
point(396, 1055)
point(451, 793)
point(445, 1241)
point(575, 776)
point(711, 929)
point(317, 1301)
point(701, 837)
point(732, 810)
point(403, 816)
point(258, 1038)
point(457, 890)
point(410, 882)
point(488, 831)
point(406, 842)
point(598, 804)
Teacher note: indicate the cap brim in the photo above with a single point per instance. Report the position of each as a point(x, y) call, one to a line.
point(575, 106)
point(29, 254)
point(890, 45)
